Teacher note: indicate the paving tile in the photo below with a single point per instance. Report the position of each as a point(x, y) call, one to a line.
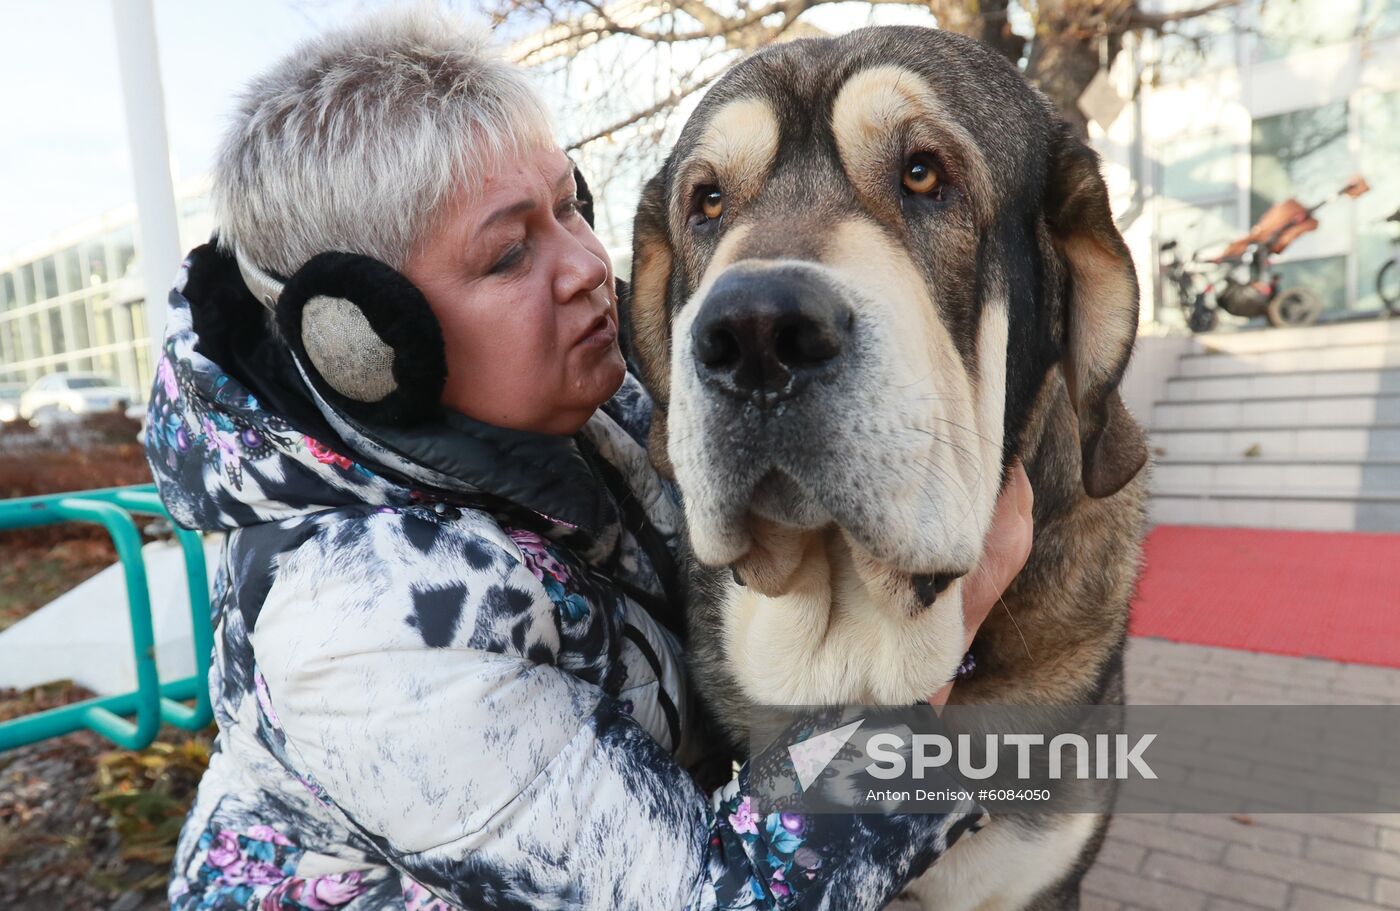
point(1099, 903)
point(1226, 904)
point(1321, 876)
point(1146, 893)
point(1251, 888)
point(1159, 835)
point(1121, 855)
point(1305, 899)
point(1220, 862)
point(1339, 828)
point(1248, 834)
point(1353, 857)
point(1387, 820)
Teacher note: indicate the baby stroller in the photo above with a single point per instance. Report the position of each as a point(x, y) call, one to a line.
point(1244, 288)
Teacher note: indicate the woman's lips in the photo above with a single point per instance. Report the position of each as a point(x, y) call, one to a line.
point(600, 333)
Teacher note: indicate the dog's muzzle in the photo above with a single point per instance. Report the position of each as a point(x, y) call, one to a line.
point(763, 336)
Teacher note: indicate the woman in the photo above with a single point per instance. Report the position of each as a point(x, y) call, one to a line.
point(447, 665)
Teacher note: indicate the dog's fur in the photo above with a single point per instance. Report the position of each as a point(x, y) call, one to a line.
point(989, 324)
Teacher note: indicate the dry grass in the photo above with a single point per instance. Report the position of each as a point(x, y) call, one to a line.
point(81, 825)
point(39, 564)
point(33, 575)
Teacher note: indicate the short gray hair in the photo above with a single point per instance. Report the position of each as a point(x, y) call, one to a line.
point(357, 138)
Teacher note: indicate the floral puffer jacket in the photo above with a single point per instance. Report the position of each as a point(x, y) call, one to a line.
point(437, 697)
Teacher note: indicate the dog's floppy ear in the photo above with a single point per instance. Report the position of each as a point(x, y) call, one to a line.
point(649, 312)
point(1100, 313)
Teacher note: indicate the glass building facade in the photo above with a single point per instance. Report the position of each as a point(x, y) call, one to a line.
point(1265, 101)
point(78, 305)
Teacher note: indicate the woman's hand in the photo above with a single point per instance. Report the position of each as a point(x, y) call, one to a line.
point(1007, 546)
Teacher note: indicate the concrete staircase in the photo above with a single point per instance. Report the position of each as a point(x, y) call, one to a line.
point(1282, 428)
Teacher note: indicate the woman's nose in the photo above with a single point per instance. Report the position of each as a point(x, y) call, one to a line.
point(581, 268)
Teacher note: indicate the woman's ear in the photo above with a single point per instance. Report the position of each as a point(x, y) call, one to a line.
point(1100, 313)
point(649, 311)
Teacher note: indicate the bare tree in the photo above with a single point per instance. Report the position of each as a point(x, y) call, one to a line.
point(634, 66)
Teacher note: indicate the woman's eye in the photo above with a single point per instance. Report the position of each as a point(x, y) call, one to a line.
point(709, 204)
point(921, 175)
point(510, 258)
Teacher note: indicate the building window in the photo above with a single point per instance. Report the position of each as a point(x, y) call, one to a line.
point(1302, 154)
point(35, 277)
point(95, 262)
point(78, 311)
point(1378, 123)
point(70, 273)
point(1380, 19)
point(1325, 276)
point(123, 252)
point(56, 330)
point(7, 292)
point(23, 295)
point(9, 342)
point(1198, 167)
point(50, 270)
point(38, 340)
point(1291, 26)
point(1200, 229)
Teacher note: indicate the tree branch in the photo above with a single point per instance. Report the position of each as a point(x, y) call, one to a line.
point(1141, 19)
point(664, 104)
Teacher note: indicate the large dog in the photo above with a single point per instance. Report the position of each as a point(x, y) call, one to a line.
point(873, 271)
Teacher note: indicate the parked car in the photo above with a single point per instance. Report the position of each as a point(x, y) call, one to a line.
point(59, 395)
point(9, 401)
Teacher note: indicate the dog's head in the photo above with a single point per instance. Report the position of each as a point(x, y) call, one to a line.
point(851, 279)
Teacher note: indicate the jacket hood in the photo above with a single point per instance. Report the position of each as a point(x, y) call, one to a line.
point(236, 437)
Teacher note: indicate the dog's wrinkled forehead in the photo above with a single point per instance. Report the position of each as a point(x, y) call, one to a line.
point(815, 122)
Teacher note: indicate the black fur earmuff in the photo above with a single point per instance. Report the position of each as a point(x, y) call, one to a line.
point(362, 332)
point(370, 335)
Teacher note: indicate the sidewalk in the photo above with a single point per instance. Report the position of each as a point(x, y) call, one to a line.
point(1189, 862)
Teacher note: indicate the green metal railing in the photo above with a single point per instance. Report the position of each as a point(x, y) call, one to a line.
point(152, 703)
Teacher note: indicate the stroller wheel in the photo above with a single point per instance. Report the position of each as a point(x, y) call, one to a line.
point(1388, 285)
point(1203, 319)
point(1296, 307)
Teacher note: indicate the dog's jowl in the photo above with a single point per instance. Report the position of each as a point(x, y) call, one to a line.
point(873, 272)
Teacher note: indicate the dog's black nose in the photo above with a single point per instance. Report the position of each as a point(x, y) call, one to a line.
point(766, 334)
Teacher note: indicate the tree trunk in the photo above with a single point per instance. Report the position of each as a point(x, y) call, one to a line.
point(986, 21)
point(1062, 65)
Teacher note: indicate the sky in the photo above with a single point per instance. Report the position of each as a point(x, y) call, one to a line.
point(63, 144)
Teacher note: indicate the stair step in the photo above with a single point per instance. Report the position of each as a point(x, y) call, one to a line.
point(1270, 339)
point(1282, 385)
point(1293, 411)
point(1375, 355)
point(1279, 477)
point(1319, 509)
point(1288, 442)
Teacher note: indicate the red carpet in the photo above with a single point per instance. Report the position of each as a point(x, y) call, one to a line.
point(1320, 594)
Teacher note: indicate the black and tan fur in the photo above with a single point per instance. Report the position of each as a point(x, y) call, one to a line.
point(989, 323)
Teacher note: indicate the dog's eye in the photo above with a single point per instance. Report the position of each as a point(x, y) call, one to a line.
point(920, 174)
point(709, 203)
